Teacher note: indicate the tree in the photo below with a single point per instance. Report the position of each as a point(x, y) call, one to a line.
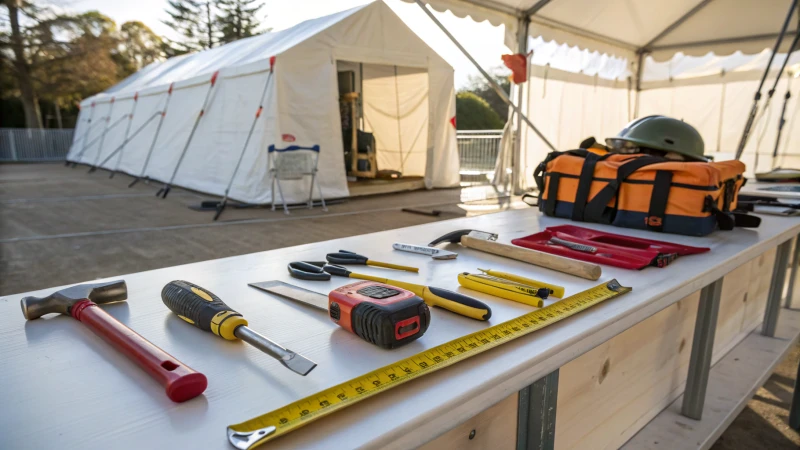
point(237, 19)
point(19, 63)
point(480, 87)
point(138, 47)
point(84, 65)
point(194, 21)
point(474, 113)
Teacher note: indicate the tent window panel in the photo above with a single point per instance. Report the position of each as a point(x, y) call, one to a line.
point(395, 103)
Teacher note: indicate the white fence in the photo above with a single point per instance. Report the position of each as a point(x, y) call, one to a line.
point(34, 144)
point(477, 150)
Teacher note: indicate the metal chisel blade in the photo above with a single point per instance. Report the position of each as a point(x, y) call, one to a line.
point(292, 292)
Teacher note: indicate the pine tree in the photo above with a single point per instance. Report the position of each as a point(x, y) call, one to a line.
point(237, 19)
point(193, 20)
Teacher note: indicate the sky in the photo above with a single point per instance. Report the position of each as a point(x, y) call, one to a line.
point(482, 40)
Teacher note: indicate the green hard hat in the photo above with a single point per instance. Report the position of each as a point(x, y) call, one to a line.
point(660, 133)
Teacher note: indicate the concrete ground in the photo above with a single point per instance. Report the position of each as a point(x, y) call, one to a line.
point(61, 226)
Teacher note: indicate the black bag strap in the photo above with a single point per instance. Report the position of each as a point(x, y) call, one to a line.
point(549, 204)
point(541, 169)
point(746, 220)
point(527, 196)
point(658, 200)
point(584, 186)
point(596, 207)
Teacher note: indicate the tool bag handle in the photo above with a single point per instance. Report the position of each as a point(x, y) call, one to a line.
point(583, 189)
point(595, 208)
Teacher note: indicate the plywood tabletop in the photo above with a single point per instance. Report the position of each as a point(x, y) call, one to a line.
point(64, 387)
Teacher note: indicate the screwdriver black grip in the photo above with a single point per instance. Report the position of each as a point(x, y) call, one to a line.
point(201, 308)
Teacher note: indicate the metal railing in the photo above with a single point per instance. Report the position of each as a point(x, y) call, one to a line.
point(34, 144)
point(477, 151)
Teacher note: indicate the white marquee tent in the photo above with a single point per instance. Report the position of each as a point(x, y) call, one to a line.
point(599, 64)
point(408, 103)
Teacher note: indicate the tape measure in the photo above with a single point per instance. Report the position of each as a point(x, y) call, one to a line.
point(283, 420)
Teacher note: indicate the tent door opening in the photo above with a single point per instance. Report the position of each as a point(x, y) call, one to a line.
point(384, 111)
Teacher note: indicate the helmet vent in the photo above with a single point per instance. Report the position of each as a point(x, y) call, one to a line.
point(669, 141)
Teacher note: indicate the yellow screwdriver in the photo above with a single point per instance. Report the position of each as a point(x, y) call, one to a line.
point(208, 312)
point(452, 301)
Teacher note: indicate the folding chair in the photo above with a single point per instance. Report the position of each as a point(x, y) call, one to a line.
point(294, 163)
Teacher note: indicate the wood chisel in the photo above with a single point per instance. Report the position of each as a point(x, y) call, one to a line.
point(452, 301)
point(380, 314)
point(208, 312)
point(433, 252)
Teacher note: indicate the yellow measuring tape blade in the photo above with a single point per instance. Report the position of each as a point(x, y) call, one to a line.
point(283, 420)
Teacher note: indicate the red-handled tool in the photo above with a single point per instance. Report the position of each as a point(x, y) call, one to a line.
point(180, 381)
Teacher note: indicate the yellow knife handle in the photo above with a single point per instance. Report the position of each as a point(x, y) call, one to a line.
point(392, 266)
point(497, 289)
point(458, 303)
point(449, 300)
point(558, 291)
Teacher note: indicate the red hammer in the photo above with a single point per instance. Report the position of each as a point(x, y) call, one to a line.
point(80, 302)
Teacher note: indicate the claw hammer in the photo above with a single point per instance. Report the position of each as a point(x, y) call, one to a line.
point(180, 381)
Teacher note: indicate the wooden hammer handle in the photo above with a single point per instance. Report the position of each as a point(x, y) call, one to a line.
point(582, 269)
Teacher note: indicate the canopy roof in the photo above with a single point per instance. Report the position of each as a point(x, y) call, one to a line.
point(625, 27)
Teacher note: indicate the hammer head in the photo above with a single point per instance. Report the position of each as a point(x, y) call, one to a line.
point(61, 301)
point(455, 236)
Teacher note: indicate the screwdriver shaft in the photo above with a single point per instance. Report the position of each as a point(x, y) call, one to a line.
point(286, 357)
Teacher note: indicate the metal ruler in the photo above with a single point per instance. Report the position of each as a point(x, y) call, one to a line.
point(288, 418)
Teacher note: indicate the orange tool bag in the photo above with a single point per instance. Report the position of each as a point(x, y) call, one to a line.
point(642, 191)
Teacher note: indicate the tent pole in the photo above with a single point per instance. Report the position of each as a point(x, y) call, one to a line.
point(83, 138)
point(751, 117)
point(492, 83)
point(639, 71)
point(155, 137)
point(782, 119)
point(103, 136)
point(124, 141)
point(516, 155)
point(128, 139)
point(168, 185)
point(221, 205)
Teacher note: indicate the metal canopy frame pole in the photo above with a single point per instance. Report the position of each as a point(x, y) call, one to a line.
point(776, 289)
point(500, 92)
point(751, 117)
point(536, 414)
point(702, 348)
point(516, 155)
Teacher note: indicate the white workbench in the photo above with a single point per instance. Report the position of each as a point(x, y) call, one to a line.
point(61, 386)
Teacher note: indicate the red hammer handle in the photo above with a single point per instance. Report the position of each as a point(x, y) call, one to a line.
point(181, 381)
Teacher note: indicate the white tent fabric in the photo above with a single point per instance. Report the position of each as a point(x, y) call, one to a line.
point(300, 108)
point(623, 27)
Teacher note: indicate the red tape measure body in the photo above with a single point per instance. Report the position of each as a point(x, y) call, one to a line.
point(384, 315)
